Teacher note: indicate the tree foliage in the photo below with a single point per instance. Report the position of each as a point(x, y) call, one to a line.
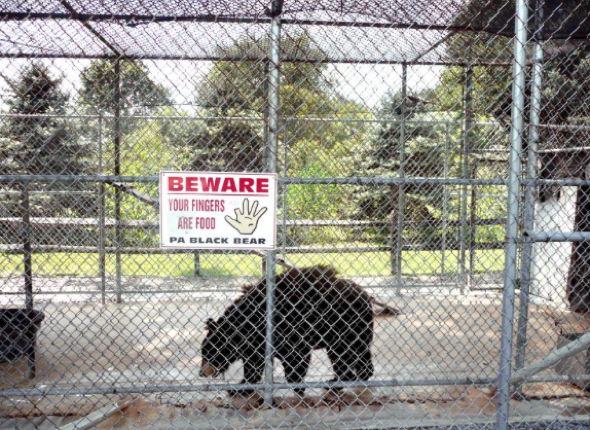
point(424, 157)
point(139, 93)
point(39, 141)
point(237, 88)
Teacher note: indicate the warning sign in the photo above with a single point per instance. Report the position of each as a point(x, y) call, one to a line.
point(205, 210)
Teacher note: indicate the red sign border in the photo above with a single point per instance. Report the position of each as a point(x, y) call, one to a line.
point(273, 176)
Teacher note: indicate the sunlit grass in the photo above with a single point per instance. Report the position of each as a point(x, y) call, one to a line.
point(170, 265)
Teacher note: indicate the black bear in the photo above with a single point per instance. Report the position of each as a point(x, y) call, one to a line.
point(313, 309)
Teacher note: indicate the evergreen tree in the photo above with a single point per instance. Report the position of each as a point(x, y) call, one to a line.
point(37, 141)
point(424, 157)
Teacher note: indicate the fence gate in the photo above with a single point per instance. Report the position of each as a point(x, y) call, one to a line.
point(431, 222)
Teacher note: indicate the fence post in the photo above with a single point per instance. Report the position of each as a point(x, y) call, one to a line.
point(401, 189)
point(101, 219)
point(472, 225)
point(445, 203)
point(117, 141)
point(285, 186)
point(272, 147)
point(28, 271)
point(516, 134)
point(197, 262)
point(529, 198)
point(465, 170)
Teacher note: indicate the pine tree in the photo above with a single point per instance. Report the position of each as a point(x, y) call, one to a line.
point(37, 139)
point(424, 157)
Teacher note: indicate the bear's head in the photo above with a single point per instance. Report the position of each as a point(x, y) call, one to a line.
point(219, 349)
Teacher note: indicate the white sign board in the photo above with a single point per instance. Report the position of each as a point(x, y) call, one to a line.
point(205, 210)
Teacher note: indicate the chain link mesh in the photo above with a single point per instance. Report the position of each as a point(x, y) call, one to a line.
point(398, 138)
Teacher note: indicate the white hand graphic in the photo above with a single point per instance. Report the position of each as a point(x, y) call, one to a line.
point(246, 220)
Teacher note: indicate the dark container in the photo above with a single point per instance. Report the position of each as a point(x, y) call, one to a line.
point(18, 333)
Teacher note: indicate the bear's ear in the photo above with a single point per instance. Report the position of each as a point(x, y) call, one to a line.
point(210, 324)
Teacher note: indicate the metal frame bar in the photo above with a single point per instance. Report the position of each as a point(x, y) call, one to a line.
point(465, 173)
point(259, 119)
point(39, 249)
point(326, 60)
point(86, 23)
point(101, 217)
point(529, 199)
point(398, 259)
point(272, 152)
point(108, 179)
point(118, 194)
point(574, 236)
point(445, 214)
point(359, 180)
point(278, 386)
point(472, 226)
point(28, 271)
point(510, 271)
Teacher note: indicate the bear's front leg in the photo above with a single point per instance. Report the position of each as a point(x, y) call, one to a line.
point(253, 371)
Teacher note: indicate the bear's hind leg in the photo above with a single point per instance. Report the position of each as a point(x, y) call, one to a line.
point(343, 363)
point(296, 365)
point(364, 363)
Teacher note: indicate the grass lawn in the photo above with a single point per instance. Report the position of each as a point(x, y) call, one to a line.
point(348, 264)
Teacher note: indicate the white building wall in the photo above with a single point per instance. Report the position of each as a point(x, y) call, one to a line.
point(551, 261)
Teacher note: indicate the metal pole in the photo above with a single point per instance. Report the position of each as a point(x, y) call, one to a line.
point(516, 135)
point(472, 225)
point(101, 219)
point(285, 186)
point(117, 139)
point(445, 203)
point(28, 271)
point(554, 357)
point(265, 131)
point(28, 267)
point(529, 197)
point(401, 188)
point(272, 147)
point(465, 170)
point(197, 263)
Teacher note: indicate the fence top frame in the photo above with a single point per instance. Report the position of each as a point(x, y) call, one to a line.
point(113, 33)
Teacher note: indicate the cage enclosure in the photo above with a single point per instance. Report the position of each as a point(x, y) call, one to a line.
point(431, 165)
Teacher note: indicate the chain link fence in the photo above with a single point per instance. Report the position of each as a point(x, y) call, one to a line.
point(432, 222)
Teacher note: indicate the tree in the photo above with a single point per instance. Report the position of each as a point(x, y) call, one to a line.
point(237, 88)
point(306, 147)
point(37, 140)
point(140, 94)
point(424, 157)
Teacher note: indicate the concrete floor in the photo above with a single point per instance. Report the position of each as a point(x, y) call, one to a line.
point(153, 340)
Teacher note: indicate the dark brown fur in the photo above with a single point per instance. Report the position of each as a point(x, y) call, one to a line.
point(313, 309)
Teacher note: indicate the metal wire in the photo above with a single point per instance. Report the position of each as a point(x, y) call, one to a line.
point(390, 298)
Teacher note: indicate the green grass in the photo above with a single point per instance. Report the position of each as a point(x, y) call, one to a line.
point(351, 264)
